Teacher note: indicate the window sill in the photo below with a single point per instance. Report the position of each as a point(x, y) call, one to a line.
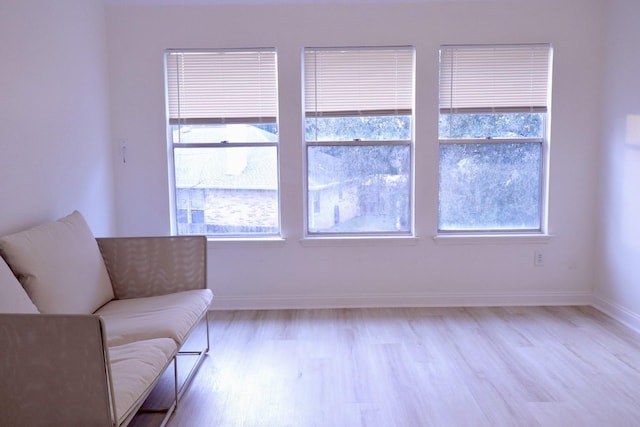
point(224, 242)
point(491, 239)
point(360, 241)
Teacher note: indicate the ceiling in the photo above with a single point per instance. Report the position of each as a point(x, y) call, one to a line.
point(246, 2)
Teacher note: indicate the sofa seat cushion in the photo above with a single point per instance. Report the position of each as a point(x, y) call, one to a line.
point(165, 316)
point(13, 298)
point(135, 368)
point(59, 265)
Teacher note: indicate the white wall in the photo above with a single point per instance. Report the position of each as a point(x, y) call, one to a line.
point(424, 273)
point(55, 154)
point(618, 285)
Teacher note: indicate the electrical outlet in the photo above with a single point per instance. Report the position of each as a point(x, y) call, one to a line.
point(538, 258)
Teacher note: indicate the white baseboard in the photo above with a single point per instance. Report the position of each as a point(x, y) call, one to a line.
point(619, 312)
point(467, 299)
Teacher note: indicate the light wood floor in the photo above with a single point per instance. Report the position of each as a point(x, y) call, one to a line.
point(534, 366)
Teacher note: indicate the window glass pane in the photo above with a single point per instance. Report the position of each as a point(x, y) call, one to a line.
point(502, 125)
point(359, 189)
point(490, 186)
point(259, 132)
point(365, 128)
point(227, 190)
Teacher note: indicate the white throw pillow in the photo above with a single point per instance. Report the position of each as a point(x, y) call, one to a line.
point(59, 265)
point(13, 298)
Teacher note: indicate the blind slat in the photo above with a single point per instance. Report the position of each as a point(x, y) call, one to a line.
point(221, 86)
point(494, 78)
point(358, 81)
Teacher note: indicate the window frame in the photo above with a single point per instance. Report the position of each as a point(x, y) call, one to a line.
point(543, 140)
point(172, 145)
point(309, 203)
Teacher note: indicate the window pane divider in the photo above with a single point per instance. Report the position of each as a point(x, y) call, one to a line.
point(220, 120)
point(492, 141)
point(493, 110)
point(223, 144)
point(359, 143)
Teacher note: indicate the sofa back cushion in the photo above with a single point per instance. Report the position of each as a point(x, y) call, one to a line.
point(13, 298)
point(59, 265)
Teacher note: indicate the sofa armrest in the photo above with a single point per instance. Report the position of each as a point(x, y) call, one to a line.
point(149, 266)
point(54, 371)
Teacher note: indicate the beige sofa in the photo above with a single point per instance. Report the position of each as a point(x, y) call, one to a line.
point(88, 326)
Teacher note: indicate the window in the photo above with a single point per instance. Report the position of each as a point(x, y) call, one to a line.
point(493, 138)
point(223, 132)
point(358, 140)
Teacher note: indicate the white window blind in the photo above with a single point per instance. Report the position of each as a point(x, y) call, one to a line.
point(358, 81)
point(210, 87)
point(478, 79)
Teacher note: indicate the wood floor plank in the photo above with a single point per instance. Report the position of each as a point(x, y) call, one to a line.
point(414, 367)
